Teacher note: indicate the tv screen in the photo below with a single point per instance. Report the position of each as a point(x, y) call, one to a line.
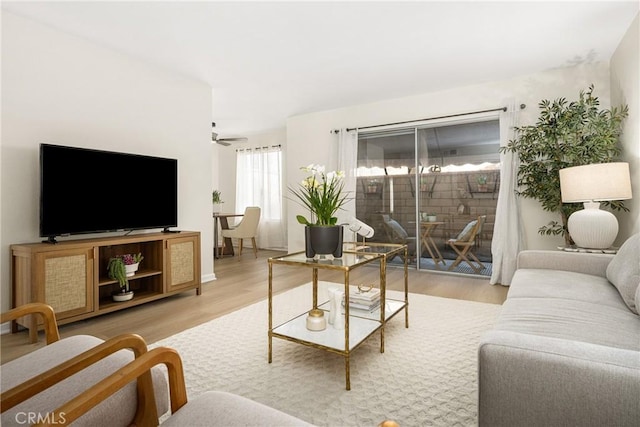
point(88, 191)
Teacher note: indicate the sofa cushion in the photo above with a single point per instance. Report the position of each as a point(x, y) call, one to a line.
point(624, 272)
point(538, 283)
point(571, 320)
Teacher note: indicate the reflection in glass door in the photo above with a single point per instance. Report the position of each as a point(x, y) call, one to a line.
point(424, 186)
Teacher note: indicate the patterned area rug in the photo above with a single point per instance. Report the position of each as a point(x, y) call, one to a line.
point(427, 375)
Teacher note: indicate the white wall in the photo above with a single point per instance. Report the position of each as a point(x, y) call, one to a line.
point(60, 89)
point(625, 69)
point(309, 140)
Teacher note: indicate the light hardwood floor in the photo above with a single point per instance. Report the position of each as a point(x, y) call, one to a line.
point(242, 281)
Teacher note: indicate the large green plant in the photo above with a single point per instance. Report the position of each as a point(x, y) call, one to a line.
point(566, 134)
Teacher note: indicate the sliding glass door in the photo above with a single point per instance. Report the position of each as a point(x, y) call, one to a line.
point(424, 185)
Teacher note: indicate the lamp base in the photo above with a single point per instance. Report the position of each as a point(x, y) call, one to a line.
point(592, 227)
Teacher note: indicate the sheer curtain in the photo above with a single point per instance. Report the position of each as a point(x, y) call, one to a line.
point(507, 234)
point(259, 183)
point(348, 162)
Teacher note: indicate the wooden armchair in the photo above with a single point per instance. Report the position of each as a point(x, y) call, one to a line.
point(38, 382)
point(465, 241)
point(210, 408)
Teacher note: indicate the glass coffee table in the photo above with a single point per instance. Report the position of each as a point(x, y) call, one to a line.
point(359, 324)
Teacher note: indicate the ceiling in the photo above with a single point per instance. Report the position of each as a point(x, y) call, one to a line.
point(267, 61)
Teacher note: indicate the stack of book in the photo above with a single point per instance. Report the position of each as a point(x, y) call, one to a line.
point(363, 299)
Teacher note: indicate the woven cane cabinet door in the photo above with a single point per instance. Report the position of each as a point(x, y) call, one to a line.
point(183, 269)
point(61, 278)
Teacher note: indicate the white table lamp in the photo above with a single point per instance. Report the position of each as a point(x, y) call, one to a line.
point(591, 184)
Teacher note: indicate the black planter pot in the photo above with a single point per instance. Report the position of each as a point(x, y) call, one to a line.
point(323, 240)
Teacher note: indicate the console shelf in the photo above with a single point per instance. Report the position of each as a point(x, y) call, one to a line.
point(71, 276)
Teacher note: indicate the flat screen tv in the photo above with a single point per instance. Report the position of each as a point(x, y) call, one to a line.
point(91, 191)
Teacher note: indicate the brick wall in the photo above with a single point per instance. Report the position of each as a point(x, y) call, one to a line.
point(455, 198)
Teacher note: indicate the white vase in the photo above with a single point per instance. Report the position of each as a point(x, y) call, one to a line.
point(131, 269)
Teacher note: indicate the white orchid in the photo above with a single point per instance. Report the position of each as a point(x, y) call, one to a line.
point(321, 193)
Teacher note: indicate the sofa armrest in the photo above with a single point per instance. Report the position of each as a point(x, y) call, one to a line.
point(537, 381)
point(594, 264)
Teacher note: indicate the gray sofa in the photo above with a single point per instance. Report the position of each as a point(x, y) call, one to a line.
point(565, 349)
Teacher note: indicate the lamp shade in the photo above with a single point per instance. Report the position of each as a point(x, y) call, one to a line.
point(595, 182)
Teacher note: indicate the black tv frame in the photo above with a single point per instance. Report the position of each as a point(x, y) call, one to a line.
point(85, 190)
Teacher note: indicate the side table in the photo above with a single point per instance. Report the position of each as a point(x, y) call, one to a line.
point(359, 324)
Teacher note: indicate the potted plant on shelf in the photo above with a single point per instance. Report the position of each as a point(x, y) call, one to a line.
point(120, 268)
point(372, 186)
point(322, 194)
point(217, 201)
point(482, 183)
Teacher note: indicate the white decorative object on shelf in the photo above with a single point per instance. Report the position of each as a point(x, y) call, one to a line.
point(123, 296)
point(316, 320)
point(336, 318)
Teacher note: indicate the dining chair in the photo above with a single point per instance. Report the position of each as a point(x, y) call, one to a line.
point(465, 241)
point(246, 228)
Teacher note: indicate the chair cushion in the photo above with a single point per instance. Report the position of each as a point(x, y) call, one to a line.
point(624, 272)
point(216, 408)
point(466, 231)
point(397, 228)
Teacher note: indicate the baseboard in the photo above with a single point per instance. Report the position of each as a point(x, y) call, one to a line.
point(208, 277)
point(5, 328)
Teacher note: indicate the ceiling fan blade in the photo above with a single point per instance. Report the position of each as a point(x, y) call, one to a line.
point(222, 142)
point(241, 139)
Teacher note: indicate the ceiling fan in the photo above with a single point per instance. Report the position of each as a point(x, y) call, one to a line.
point(225, 141)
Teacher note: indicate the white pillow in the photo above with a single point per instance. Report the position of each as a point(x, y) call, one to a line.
point(624, 272)
point(464, 234)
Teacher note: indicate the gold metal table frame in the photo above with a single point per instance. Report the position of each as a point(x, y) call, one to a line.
point(359, 324)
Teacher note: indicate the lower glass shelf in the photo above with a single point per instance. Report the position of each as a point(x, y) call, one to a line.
point(359, 329)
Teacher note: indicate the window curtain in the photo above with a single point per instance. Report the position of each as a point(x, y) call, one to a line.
point(348, 163)
point(259, 183)
point(507, 234)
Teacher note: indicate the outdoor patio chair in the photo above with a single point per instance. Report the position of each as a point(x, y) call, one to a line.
point(397, 234)
point(464, 243)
